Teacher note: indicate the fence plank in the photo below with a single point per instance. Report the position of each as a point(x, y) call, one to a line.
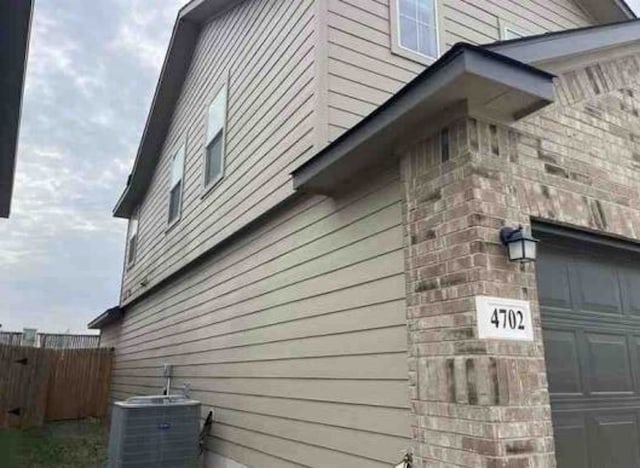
point(20, 381)
point(11, 338)
point(52, 384)
point(4, 385)
point(76, 387)
point(40, 384)
point(67, 341)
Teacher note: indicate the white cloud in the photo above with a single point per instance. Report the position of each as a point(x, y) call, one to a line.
point(140, 36)
point(53, 50)
point(90, 77)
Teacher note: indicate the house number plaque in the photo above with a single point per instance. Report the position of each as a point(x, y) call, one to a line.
point(503, 319)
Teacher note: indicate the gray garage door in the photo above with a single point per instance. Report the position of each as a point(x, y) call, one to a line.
point(590, 300)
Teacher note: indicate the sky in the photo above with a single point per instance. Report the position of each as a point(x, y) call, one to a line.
point(91, 73)
point(92, 70)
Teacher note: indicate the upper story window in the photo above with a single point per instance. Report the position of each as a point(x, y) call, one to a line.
point(214, 144)
point(132, 238)
point(175, 185)
point(416, 29)
point(510, 33)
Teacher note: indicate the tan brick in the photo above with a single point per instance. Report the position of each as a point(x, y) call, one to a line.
point(576, 162)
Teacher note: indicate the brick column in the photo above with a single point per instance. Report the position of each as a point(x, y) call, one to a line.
point(475, 403)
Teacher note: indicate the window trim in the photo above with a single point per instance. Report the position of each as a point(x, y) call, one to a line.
point(130, 261)
point(181, 147)
point(507, 26)
point(396, 45)
point(207, 187)
point(506, 30)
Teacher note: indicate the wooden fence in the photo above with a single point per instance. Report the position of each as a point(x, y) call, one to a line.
point(53, 340)
point(67, 341)
point(38, 384)
point(10, 338)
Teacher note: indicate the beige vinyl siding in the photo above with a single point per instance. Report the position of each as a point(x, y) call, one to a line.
point(299, 73)
point(264, 51)
point(363, 72)
point(109, 336)
point(296, 335)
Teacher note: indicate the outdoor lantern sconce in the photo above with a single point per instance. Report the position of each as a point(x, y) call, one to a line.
point(520, 244)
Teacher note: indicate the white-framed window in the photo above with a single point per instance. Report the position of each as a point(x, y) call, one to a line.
point(214, 144)
point(132, 238)
point(510, 33)
point(176, 177)
point(415, 28)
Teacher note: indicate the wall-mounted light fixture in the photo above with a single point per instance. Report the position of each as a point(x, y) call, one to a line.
point(520, 244)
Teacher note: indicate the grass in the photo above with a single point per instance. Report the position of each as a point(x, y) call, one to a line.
point(69, 444)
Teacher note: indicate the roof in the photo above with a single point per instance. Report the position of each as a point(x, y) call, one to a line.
point(561, 44)
point(486, 82)
point(108, 317)
point(489, 81)
point(173, 73)
point(174, 70)
point(15, 26)
point(608, 11)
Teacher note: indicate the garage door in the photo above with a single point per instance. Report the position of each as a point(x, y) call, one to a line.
point(590, 302)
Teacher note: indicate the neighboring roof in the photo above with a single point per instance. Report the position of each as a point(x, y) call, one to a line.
point(487, 82)
point(15, 26)
point(176, 64)
point(561, 44)
point(108, 317)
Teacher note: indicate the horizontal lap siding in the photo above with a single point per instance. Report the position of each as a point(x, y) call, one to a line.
point(265, 50)
point(109, 336)
point(363, 72)
point(296, 335)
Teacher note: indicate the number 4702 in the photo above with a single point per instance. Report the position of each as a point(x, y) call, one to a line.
point(508, 318)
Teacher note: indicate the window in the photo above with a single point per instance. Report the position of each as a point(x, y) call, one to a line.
point(508, 31)
point(132, 239)
point(512, 34)
point(175, 185)
point(214, 153)
point(417, 27)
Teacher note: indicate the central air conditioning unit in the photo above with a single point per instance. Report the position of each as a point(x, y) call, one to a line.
point(155, 431)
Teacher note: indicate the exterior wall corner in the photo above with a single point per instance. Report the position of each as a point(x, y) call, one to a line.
point(475, 403)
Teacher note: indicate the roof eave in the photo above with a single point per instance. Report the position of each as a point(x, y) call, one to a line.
point(200, 11)
point(174, 69)
point(16, 23)
point(557, 46)
point(108, 317)
point(609, 11)
point(626, 10)
point(487, 82)
point(195, 13)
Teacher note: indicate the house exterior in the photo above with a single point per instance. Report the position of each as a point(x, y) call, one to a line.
point(315, 217)
point(15, 25)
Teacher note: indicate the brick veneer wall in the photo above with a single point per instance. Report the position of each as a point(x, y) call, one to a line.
point(485, 403)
